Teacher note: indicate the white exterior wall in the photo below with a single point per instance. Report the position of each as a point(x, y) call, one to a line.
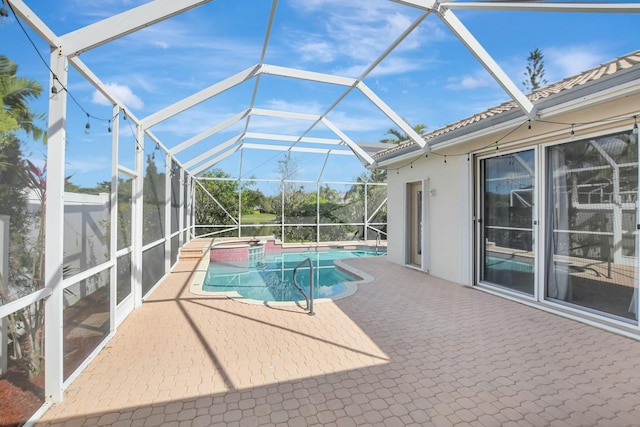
point(86, 229)
point(448, 232)
point(86, 243)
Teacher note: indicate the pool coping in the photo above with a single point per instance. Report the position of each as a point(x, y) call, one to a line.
point(195, 285)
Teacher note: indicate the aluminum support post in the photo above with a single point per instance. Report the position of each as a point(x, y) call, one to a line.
point(167, 211)
point(4, 271)
point(181, 205)
point(138, 219)
point(113, 215)
point(54, 226)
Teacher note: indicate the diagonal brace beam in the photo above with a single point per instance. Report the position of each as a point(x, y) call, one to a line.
point(364, 157)
point(209, 132)
point(210, 153)
point(34, 21)
point(284, 114)
point(114, 27)
point(465, 36)
point(389, 112)
point(214, 161)
point(275, 70)
point(201, 96)
point(604, 7)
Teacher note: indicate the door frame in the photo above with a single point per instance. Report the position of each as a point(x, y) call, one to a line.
point(478, 215)
point(422, 216)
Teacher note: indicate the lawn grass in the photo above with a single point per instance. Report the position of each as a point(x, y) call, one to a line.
point(258, 218)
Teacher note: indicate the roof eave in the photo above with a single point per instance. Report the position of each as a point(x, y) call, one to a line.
point(406, 153)
point(606, 88)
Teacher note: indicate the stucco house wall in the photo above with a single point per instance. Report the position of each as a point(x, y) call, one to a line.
point(595, 104)
point(447, 214)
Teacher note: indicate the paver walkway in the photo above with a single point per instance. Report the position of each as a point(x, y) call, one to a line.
point(406, 349)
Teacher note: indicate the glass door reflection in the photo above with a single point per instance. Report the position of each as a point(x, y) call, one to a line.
point(506, 221)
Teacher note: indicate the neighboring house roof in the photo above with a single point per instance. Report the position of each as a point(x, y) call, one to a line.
point(535, 97)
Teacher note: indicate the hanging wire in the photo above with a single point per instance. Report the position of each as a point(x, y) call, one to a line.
point(55, 91)
point(54, 76)
point(529, 126)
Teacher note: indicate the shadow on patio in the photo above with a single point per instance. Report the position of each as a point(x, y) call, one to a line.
point(405, 349)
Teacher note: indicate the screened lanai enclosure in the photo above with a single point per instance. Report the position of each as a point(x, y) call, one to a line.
point(230, 134)
point(292, 211)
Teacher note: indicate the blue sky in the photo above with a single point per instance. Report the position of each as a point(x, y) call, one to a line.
point(429, 78)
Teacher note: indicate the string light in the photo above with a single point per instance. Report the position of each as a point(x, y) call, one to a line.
point(54, 89)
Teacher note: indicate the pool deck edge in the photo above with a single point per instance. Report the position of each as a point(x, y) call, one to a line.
point(196, 283)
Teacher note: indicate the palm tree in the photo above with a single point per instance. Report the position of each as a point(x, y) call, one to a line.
point(399, 136)
point(25, 274)
point(15, 93)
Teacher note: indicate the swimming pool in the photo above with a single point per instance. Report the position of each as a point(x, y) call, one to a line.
point(271, 278)
point(496, 263)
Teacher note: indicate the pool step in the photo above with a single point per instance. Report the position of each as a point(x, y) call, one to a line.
point(191, 254)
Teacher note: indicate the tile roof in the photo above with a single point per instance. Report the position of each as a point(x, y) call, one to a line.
point(595, 73)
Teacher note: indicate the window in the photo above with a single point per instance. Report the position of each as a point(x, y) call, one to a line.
point(506, 221)
point(590, 250)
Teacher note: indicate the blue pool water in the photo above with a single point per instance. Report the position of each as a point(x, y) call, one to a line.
point(496, 263)
point(271, 279)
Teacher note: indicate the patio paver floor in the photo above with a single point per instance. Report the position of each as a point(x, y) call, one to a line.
point(406, 349)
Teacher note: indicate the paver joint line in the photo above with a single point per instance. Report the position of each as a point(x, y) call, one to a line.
point(405, 349)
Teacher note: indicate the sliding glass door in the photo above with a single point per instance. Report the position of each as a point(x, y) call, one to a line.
point(587, 202)
point(591, 238)
point(505, 218)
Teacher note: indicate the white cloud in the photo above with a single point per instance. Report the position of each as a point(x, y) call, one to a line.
point(122, 92)
point(561, 62)
point(396, 65)
point(390, 66)
point(161, 44)
point(380, 87)
point(358, 122)
point(360, 32)
point(316, 50)
point(477, 80)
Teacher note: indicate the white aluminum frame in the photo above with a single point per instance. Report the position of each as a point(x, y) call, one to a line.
point(65, 50)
